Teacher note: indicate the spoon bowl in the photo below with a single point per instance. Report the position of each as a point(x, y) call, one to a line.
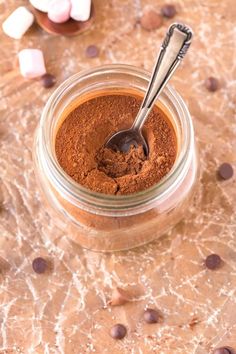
point(125, 139)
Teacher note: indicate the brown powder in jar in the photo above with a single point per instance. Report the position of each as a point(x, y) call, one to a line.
point(81, 153)
point(117, 164)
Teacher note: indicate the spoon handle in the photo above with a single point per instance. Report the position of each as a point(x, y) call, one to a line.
point(173, 50)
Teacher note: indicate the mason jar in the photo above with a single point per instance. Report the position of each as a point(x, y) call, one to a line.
point(104, 222)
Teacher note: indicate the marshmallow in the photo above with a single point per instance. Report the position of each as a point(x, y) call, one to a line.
point(41, 5)
point(31, 63)
point(18, 22)
point(80, 10)
point(59, 10)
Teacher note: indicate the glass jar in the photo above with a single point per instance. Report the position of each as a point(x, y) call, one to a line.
point(105, 222)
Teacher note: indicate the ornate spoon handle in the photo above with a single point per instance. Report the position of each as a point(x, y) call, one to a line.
point(173, 50)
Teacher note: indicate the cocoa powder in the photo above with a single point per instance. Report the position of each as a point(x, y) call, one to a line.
point(117, 164)
point(80, 148)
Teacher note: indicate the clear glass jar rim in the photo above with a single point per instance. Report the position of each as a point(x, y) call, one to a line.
point(79, 194)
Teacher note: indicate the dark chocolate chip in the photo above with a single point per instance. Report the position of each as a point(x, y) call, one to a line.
point(118, 331)
point(222, 350)
point(92, 51)
point(151, 20)
point(168, 11)
point(194, 321)
point(48, 80)
point(151, 316)
point(212, 84)
point(39, 265)
point(213, 261)
point(119, 297)
point(225, 171)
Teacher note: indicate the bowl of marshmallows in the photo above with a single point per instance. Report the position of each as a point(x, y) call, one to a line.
point(63, 17)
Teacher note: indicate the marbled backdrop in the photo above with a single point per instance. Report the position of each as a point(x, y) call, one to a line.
point(63, 311)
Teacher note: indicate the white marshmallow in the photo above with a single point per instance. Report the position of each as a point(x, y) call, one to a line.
point(18, 22)
point(80, 10)
point(59, 11)
point(41, 5)
point(31, 63)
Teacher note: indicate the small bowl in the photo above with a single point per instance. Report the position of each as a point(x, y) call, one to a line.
point(69, 28)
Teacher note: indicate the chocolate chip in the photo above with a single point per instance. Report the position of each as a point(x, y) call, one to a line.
point(48, 80)
point(119, 297)
point(168, 11)
point(212, 84)
point(118, 331)
point(225, 171)
point(39, 265)
point(151, 316)
point(213, 261)
point(92, 51)
point(222, 350)
point(194, 321)
point(151, 20)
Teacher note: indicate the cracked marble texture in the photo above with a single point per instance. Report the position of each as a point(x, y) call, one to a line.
point(63, 311)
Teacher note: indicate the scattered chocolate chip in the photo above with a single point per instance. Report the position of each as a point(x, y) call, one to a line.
point(213, 261)
point(48, 80)
point(4, 265)
point(151, 20)
point(168, 11)
point(194, 321)
point(92, 51)
point(222, 350)
point(118, 331)
point(119, 297)
point(39, 265)
point(225, 171)
point(212, 84)
point(151, 316)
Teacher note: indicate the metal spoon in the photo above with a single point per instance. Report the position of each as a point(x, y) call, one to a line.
point(173, 49)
